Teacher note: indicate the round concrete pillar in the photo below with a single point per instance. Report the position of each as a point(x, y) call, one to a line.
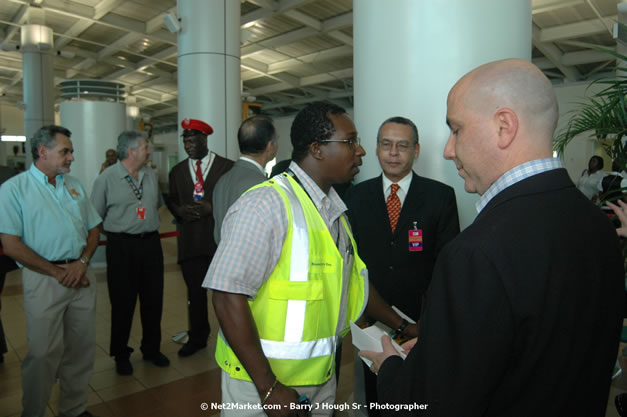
point(95, 126)
point(37, 80)
point(407, 56)
point(209, 70)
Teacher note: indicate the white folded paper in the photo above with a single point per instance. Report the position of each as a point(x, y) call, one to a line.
point(370, 337)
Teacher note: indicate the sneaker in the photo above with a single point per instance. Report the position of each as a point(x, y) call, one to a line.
point(158, 359)
point(123, 367)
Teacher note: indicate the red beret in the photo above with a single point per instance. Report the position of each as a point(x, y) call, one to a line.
point(193, 124)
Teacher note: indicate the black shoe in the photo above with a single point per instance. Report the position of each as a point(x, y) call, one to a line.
point(86, 414)
point(621, 404)
point(189, 349)
point(158, 359)
point(123, 367)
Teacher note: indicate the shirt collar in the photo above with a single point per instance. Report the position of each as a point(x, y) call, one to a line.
point(123, 172)
point(43, 178)
point(205, 159)
point(255, 163)
point(517, 174)
point(330, 202)
point(403, 183)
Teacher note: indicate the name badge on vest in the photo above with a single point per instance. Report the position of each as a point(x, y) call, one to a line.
point(141, 213)
point(415, 240)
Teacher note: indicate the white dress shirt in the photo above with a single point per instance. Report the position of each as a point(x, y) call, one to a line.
point(205, 166)
point(403, 184)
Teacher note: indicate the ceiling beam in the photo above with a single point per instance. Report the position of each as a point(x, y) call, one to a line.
point(269, 9)
point(304, 19)
point(100, 10)
point(555, 5)
point(554, 54)
point(308, 99)
point(164, 54)
point(18, 19)
point(151, 83)
point(342, 37)
point(303, 82)
point(291, 63)
point(576, 30)
point(329, 25)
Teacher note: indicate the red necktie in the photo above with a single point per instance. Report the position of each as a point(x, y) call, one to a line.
point(394, 206)
point(199, 177)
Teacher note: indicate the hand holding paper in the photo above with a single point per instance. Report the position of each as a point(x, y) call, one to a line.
point(377, 358)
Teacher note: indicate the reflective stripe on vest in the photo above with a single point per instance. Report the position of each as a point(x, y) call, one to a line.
point(295, 317)
point(299, 351)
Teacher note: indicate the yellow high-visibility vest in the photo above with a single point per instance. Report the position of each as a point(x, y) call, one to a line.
point(296, 310)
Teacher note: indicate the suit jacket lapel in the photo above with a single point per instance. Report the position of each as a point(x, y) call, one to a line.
point(186, 178)
point(211, 178)
point(413, 201)
point(380, 205)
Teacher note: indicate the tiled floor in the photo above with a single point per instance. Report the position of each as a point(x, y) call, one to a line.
point(177, 391)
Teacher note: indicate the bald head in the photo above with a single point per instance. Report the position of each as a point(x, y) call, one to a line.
point(516, 84)
point(501, 114)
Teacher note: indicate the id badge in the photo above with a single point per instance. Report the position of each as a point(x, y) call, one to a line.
point(141, 213)
point(199, 192)
point(415, 240)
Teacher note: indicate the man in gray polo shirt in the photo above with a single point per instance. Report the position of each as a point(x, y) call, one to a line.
point(127, 197)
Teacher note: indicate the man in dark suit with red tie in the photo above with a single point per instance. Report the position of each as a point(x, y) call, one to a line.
point(191, 188)
point(401, 221)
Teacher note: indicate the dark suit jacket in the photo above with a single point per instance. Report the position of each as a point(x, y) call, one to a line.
point(231, 186)
point(401, 276)
point(195, 238)
point(524, 312)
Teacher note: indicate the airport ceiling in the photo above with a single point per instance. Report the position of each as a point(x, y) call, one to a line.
point(293, 51)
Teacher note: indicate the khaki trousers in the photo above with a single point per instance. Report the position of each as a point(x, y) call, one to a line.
point(236, 391)
point(61, 343)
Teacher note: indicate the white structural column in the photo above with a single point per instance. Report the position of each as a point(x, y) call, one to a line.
point(209, 70)
point(621, 45)
point(407, 56)
point(95, 127)
point(38, 80)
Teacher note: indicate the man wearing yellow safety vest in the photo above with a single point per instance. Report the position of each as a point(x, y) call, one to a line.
point(287, 279)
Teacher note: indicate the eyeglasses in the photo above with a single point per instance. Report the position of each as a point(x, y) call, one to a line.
point(402, 146)
point(352, 143)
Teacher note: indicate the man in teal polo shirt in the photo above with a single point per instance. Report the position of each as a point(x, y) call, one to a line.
point(50, 228)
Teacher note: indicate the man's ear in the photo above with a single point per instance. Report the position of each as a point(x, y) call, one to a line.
point(315, 149)
point(42, 151)
point(507, 125)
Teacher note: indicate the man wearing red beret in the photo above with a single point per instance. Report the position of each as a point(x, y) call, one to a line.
point(191, 188)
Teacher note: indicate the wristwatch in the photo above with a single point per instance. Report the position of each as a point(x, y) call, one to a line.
point(397, 332)
point(84, 260)
point(402, 327)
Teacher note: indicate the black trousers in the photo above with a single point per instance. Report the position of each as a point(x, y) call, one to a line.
point(6, 265)
point(194, 271)
point(135, 269)
point(370, 385)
